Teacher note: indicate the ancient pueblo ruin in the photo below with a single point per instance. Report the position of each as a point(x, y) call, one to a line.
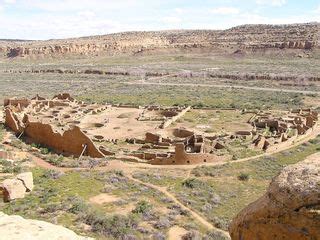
point(147, 134)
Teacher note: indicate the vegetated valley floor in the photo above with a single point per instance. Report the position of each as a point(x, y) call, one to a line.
point(178, 88)
point(113, 202)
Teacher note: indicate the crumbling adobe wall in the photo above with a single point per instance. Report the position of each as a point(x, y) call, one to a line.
point(70, 142)
point(182, 133)
point(64, 96)
point(12, 121)
point(182, 158)
point(16, 102)
point(153, 138)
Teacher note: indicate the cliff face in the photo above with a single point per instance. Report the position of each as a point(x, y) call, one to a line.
point(290, 210)
point(247, 37)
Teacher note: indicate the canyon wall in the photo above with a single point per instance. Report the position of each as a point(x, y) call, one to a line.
point(246, 37)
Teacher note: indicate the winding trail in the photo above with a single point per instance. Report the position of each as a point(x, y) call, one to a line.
point(195, 215)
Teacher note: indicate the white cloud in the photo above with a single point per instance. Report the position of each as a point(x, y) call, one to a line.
point(171, 20)
point(80, 5)
point(179, 10)
point(225, 11)
point(86, 14)
point(276, 3)
point(43, 19)
point(10, 1)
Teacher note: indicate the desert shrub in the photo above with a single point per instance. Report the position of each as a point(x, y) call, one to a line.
point(9, 167)
point(215, 235)
point(193, 235)
point(52, 208)
point(142, 207)
point(314, 141)
point(55, 160)
point(35, 145)
point(116, 226)
point(5, 163)
point(44, 151)
point(129, 237)
point(1, 131)
point(192, 183)
point(93, 163)
point(243, 177)
point(158, 236)
point(47, 194)
point(78, 205)
point(162, 223)
point(52, 174)
point(119, 173)
point(220, 223)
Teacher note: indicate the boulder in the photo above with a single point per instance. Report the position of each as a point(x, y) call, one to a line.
point(27, 180)
point(13, 189)
point(289, 209)
point(18, 228)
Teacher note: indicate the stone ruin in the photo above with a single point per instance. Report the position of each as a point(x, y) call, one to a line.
point(52, 123)
point(56, 124)
point(188, 148)
point(270, 130)
point(167, 116)
point(73, 128)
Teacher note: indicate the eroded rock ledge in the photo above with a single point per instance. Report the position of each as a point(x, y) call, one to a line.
point(17, 227)
point(289, 210)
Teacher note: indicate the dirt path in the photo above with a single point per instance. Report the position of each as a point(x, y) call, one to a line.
point(195, 215)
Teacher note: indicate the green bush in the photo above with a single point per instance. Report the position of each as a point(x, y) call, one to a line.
point(243, 177)
point(116, 226)
point(44, 151)
point(55, 160)
point(78, 205)
point(192, 183)
point(142, 207)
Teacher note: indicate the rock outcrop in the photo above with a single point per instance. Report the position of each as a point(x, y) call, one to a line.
point(18, 187)
point(18, 228)
point(242, 39)
point(289, 210)
point(13, 189)
point(27, 180)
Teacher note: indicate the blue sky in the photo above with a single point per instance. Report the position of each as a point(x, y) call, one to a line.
point(46, 19)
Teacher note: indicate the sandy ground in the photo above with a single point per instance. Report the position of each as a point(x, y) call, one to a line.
point(313, 157)
point(104, 198)
point(176, 233)
point(124, 210)
point(115, 127)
